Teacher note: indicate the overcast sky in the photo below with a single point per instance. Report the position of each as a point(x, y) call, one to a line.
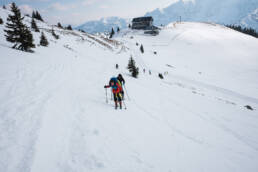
point(76, 12)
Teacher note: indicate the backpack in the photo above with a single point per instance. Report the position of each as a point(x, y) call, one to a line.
point(115, 80)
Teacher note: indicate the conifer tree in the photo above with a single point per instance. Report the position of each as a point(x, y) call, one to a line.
point(38, 16)
point(248, 31)
point(54, 34)
point(118, 29)
point(4, 7)
point(82, 31)
point(33, 15)
point(59, 25)
point(18, 33)
point(1, 21)
point(141, 48)
point(132, 68)
point(43, 40)
point(129, 25)
point(69, 27)
point(34, 25)
point(112, 33)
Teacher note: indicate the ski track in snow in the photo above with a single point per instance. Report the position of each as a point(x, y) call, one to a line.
point(215, 88)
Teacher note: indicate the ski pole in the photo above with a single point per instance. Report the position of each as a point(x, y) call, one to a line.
point(106, 96)
point(124, 104)
point(111, 95)
point(127, 93)
point(120, 96)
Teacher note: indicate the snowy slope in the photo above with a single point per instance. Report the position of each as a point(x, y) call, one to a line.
point(240, 12)
point(53, 114)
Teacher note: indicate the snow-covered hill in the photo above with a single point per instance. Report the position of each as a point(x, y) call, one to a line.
point(239, 12)
point(54, 115)
point(103, 25)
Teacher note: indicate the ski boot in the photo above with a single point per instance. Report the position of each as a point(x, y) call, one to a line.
point(120, 105)
point(116, 105)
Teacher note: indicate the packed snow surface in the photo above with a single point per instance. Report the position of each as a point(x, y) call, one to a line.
point(54, 115)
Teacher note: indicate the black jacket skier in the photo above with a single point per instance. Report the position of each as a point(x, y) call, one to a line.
point(122, 81)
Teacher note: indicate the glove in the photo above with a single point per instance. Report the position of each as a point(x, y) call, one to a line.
point(105, 86)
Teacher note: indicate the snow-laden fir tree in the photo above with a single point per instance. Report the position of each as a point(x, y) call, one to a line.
point(17, 32)
point(1, 21)
point(34, 25)
point(132, 68)
point(43, 40)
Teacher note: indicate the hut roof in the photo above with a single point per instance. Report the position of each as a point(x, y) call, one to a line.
point(141, 19)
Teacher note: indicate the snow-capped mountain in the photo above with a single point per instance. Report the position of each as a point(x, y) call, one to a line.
point(56, 115)
point(251, 20)
point(103, 25)
point(240, 12)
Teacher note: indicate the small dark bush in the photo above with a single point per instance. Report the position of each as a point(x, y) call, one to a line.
point(142, 49)
point(249, 107)
point(161, 76)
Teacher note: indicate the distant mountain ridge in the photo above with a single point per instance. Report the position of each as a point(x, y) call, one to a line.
point(238, 12)
point(103, 25)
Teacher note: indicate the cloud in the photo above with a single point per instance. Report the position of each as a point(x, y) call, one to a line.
point(60, 7)
point(26, 9)
point(104, 7)
point(89, 2)
point(74, 19)
point(35, 0)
